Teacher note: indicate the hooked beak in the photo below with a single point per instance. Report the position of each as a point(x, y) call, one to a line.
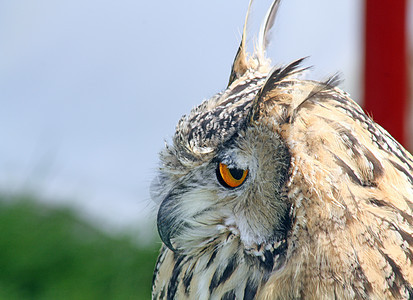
point(169, 225)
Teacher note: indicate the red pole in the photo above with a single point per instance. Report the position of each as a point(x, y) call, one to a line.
point(385, 65)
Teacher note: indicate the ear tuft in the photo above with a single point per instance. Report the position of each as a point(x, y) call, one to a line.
point(240, 65)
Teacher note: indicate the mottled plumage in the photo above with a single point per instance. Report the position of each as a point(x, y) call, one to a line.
point(325, 211)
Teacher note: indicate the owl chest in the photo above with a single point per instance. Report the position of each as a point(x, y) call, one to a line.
point(225, 274)
point(220, 272)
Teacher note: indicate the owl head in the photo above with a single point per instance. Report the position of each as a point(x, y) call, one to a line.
point(227, 169)
point(283, 188)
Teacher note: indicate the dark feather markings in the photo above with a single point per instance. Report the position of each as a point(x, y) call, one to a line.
point(322, 87)
point(187, 281)
point(268, 263)
point(333, 81)
point(378, 170)
point(275, 76)
point(241, 90)
point(366, 182)
point(238, 89)
point(281, 251)
point(162, 295)
point(382, 203)
point(352, 143)
point(250, 290)
point(218, 278)
point(399, 280)
point(173, 282)
point(229, 295)
point(376, 132)
point(378, 203)
point(226, 125)
point(281, 73)
point(346, 168)
point(212, 257)
point(228, 270)
point(361, 277)
point(157, 265)
point(409, 239)
point(370, 179)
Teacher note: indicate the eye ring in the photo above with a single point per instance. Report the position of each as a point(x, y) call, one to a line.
point(230, 177)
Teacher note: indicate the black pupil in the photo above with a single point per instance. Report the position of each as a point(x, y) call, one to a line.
point(236, 173)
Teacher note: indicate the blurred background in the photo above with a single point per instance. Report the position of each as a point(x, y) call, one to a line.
point(89, 92)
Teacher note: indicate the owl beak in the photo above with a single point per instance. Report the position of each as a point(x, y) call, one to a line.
point(169, 225)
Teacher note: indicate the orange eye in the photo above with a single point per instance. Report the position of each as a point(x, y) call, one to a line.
point(231, 177)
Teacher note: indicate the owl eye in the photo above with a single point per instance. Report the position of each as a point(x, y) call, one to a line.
point(230, 177)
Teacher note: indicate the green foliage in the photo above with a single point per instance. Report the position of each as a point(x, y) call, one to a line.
point(51, 254)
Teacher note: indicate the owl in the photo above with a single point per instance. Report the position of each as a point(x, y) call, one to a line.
point(282, 188)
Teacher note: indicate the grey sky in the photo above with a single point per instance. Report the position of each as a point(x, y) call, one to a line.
point(90, 89)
